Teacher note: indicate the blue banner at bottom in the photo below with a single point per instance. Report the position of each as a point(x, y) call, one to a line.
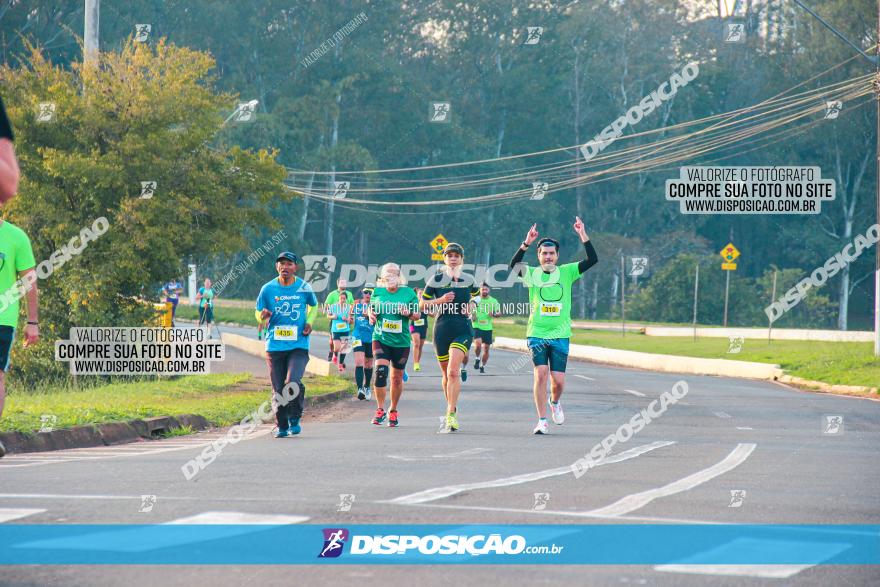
point(623, 544)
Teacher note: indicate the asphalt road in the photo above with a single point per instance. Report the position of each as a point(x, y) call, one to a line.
point(724, 436)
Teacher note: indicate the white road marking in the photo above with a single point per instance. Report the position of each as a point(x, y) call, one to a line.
point(744, 548)
point(449, 490)
point(133, 540)
point(464, 453)
point(631, 503)
point(824, 531)
point(64, 496)
point(563, 513)
point(9, 514)
point(104, 452)
point(744, 428)
point(634, 392)
point(137, 498)
point(36, 464)
point(583, 376)
point(763, 571)
point(238, 518)
point(724, 415)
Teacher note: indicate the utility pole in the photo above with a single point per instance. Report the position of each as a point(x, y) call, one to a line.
point(875, 61)
point(877, 250)
point(90, 32)
point(696, 289)
point(622, 297)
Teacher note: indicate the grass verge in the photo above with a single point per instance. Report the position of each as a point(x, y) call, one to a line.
point(222, 398)
point(837, 363)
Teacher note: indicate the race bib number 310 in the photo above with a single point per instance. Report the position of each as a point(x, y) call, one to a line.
point(285, 332)
point(550, 309)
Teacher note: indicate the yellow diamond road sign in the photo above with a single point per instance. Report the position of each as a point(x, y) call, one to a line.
point(729, 253)
point(439, 243)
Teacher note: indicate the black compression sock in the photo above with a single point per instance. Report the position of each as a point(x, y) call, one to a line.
point(359, 376)
point(369, 376)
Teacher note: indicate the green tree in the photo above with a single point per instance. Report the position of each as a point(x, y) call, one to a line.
point(141, 114)
point(669, 297)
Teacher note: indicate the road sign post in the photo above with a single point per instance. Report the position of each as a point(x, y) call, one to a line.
point(728, 253)
point(726, 294)
point(772, 299)
point(437, 245)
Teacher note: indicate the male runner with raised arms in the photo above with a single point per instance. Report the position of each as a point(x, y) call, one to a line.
point(335, 302)
point(362, 345)
point(450, 296)
point(391, 309)
point(549, 327)
point(486, 309)
point(290, 306)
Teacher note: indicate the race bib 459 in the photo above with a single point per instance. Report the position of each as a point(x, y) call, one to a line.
point(392, 326)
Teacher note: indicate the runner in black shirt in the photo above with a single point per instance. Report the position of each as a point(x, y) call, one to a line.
point(450, 296)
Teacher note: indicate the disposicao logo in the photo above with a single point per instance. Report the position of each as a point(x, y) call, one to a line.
point(334, 541)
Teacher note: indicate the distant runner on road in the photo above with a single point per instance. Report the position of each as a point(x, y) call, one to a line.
point(336, 307)
point(362, 345)
point(486, 309)
point(205, 299)
point(419, 330)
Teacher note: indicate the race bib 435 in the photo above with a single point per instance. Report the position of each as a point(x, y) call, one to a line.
point(285, 332)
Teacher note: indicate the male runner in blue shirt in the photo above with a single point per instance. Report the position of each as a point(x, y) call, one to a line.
point(290, 305)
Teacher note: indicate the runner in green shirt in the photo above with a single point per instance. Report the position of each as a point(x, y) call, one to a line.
point(205, 299)
point(391, 308)
point(16, 273)
point(486, 309)
point(549, 326)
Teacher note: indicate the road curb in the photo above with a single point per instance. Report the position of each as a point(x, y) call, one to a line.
point(315, 366)
point(660, 363)
point(106, 434)
point(110, 433)
point(827, 387)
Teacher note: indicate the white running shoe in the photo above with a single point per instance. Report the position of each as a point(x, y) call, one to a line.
point(541, 428)
point(368, 393)
point(556, 412)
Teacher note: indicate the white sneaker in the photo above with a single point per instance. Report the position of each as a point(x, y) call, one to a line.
point(368, 393)
point(541, 428)
point(556, 412)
